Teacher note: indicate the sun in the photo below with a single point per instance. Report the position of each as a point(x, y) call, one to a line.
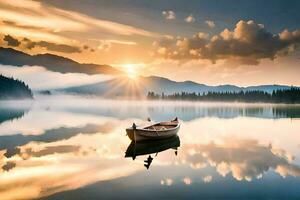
point(130, 70)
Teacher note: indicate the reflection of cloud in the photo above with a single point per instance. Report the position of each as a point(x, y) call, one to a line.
point(288, 170)
point(169, 14)
point(207, 179)
point(29, 152)
point(11, 152)
point(187, 181)
point(34, 177)
point(167, 181)
point(39, 78)
point(245, 159)
point(8, 166)
point(59, 174)
point(10, 142)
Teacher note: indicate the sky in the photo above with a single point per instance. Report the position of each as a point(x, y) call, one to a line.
point(211, 42)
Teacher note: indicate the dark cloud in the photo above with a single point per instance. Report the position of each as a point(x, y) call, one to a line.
point(85, 47)
point(11, 41)
point(247, 43)
point(50, 46)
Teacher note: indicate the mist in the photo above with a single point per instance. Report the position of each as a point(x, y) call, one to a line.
point(39, 78)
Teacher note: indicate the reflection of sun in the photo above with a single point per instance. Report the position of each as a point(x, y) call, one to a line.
point(131, 72)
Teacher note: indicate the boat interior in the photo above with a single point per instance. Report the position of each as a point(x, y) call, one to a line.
point(162, 126)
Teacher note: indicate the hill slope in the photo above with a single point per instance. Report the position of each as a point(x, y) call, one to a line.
point(9, 56)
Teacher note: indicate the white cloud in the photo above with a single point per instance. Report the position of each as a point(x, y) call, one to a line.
point(190, 19)
point(105, 45)
point(210, 23)
point(39, 78)
point(169, 14)
point(247, 44)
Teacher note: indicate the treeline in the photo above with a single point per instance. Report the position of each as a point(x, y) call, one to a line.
point(14, 89)
point(278, 96)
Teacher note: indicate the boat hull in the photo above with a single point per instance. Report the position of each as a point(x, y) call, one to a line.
point(142, 134)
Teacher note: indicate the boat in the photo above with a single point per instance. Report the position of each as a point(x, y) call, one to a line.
point(161, 130)
point(149, 147)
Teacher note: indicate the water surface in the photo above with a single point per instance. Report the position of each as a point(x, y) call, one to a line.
point(74, 148)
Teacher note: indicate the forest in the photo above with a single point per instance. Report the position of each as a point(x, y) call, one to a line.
point(11, 88)
point(277, 96)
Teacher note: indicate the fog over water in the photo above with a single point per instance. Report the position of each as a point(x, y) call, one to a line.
point(39, 78)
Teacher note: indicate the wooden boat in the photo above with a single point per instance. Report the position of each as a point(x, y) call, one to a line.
point(161, 130)
point(149, 147)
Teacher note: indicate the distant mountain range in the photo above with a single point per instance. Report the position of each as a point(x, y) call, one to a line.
point(123, 86)
point(14, 89)
point(9, 56)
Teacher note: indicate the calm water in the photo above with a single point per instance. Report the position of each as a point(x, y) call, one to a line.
point(72, 148)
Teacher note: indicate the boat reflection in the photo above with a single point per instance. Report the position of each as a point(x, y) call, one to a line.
point(151, 147)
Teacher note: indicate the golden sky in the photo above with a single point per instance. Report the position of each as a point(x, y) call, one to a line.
point(173, 41)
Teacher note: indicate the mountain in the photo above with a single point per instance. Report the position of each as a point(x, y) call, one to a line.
point(123, 86)
point(9, 56)
point(14, 89)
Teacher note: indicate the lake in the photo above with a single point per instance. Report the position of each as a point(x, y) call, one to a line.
point(64, 147)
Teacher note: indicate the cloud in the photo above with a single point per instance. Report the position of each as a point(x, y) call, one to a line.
point(210, 24)
point(169, 14)
point(190, 19)
point(105, 45)
point(40, 15)
point(38, 77)
point(64, 48)
point(248, 43)
point(122, 42)
point(26, 43)
point(11, 41)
